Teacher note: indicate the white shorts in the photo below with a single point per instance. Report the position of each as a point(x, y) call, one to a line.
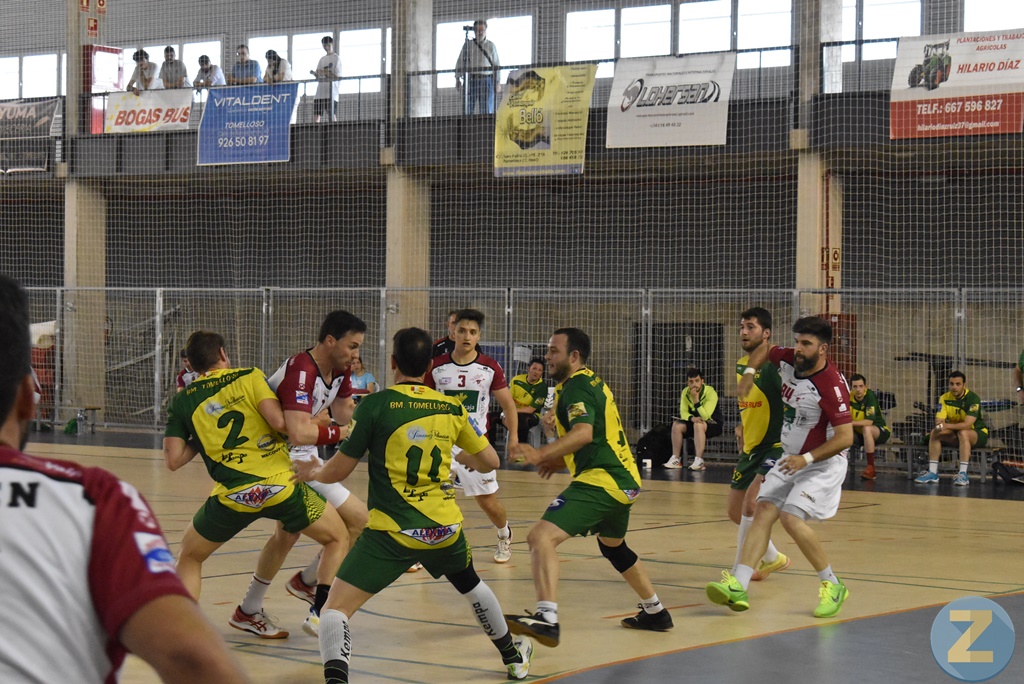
point(815, 490)
point(473, 482)
point(335, 493)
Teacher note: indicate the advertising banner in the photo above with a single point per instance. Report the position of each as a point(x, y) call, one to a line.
point(25, 130)
point(150, 110)
point(670, 101)
point(247, 124)
point(541, 126)
point(958, 84)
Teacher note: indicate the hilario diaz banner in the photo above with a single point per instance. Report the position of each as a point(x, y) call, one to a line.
point(541, 126)
point(670, 101)
point(150, 110)
point(958, 84)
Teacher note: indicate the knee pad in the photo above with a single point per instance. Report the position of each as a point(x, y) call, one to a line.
point(464, 581)
point(621, 557)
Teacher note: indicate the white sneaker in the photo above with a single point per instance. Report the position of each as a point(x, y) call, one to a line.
point(503, 554)
point(312, 624)
point(259, 623)
point(415, 567)
point(698, 464)
point(521, 669)
point(674, 462)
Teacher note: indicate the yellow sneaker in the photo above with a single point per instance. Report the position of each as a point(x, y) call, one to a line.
point(728, 592)
point(830, 599)
point(765, 569)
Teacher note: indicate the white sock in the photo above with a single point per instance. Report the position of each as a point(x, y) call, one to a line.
point(335, 638)
point(933, 467)
point(963, 467)
point(253, 601)
point(504, 532)
point(309, 572)
point(548, 610)
point(652, 605)
point(745, 522)
point(827, 575)
point(487, 610)
point(743, 574)
point(771, 554)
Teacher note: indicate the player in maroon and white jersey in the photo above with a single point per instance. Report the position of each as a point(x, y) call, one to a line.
point(315, 391)
point(186, 375)
point(86, 572)
point(807, 481)
point(472, 376)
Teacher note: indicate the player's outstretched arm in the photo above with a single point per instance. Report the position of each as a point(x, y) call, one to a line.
point(484, 461)
point(755, 361)
point(508, 406)
point(174, 637)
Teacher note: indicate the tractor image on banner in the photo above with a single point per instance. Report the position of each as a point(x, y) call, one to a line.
point(935, 69)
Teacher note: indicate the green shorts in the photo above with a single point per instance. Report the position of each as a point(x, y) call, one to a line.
point(758, 462)
point(219, 519)
point(982, 438)
point(376, 560)
point(883, 435)
point(583, 509)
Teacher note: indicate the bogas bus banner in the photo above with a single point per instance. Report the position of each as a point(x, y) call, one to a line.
point(958, 84)
point(150, 110)
point(247, 124)
point(670, 101)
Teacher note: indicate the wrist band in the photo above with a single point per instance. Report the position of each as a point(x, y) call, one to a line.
point(749, 371)
point(808, 458)
point(328, 434)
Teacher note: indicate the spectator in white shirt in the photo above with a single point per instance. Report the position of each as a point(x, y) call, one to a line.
point(278, 68)
point(209, 74)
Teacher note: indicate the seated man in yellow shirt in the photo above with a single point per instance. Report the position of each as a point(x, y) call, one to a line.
point(700, 417)
point(529, 392)
point(869, 428)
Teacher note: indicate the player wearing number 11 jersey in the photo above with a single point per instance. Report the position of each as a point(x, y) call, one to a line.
point(410, 432)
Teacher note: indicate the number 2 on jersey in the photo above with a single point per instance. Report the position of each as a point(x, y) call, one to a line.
point(237, 421)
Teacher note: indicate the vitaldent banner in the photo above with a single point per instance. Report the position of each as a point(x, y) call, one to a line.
point(247, 124)
point(541, 126)
point(150, 110)
point(670, 101)
point(958, 84)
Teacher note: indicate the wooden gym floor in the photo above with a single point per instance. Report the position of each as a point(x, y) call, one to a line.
point(903, 556)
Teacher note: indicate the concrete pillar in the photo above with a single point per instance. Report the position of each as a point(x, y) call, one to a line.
point(412, 45)
point(408, 191)
point(819, 194)
point(85, 311)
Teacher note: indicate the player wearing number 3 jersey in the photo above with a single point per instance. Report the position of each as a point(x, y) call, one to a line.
point(409, 431)
point(232, 418)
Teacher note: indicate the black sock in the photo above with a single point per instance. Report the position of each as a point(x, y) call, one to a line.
point(509, 652)
point(321, 597)
point(335, 672)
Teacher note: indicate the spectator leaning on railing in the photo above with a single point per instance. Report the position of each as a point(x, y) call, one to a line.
point(173, 73)
point(245, 71)
point(209, 74)
point(144, 76)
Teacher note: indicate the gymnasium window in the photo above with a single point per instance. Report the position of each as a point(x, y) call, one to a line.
point(190, 53)
point(763, 24)
point(889, 19)
point(646, 31)
point(360, 56)
point(512, 36)
point(39, 76)
point(258, 46)
point(705, 26)
point(992, 15)
point(590, 37)
point(9, 78)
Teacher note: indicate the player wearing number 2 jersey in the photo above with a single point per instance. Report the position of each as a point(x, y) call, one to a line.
point(410, 432)
point(232, 418)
